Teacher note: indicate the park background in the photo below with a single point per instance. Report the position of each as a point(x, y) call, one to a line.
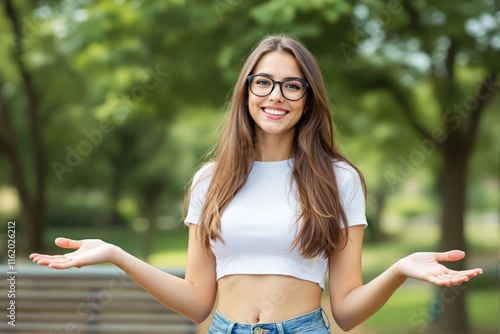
point(108, 108)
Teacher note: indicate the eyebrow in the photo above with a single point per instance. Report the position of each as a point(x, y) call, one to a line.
point(272, 76)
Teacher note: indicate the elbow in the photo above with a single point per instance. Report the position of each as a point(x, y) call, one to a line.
point(346, 327)
point(204, 305)
point(201, 316)
point(345, 324)
point(198, 319)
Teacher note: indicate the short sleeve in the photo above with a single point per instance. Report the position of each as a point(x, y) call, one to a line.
point(199, 188)
point(351, 194)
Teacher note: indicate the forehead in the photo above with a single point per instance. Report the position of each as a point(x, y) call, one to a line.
point(279, 65)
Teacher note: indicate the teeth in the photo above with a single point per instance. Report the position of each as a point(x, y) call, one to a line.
point(274, 112)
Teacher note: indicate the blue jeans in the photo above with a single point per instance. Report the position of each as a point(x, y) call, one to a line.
point(309, 323)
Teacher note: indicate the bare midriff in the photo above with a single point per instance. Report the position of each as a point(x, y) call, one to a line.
point(253, 299)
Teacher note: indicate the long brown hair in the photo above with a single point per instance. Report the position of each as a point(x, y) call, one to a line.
point(313, 150)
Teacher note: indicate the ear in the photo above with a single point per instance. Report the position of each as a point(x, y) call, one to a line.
point(307, 107)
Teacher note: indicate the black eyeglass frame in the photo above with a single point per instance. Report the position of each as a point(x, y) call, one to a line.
point(280, 83)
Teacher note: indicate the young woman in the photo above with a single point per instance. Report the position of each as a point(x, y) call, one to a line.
point(277, 209)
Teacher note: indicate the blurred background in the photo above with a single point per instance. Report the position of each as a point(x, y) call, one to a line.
point(108, 108)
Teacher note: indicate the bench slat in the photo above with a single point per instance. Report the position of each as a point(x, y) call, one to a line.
point(105, 318)
point(59, 328)
point(90, 306)
point(100, 301)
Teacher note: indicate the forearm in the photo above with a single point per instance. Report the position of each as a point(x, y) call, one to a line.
point(365, 300)
point(174, 292)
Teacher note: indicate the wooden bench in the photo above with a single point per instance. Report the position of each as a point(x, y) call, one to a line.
point(99, 299)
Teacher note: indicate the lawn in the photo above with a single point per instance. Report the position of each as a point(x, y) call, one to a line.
point(410, 311)
point(406, 312)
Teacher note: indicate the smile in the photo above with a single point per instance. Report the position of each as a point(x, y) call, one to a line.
point(275, 112)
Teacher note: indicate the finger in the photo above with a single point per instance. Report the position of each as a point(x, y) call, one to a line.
point(47, 257)
point(447, 280)
point(34, 255)
point(46, 260)
point(68, 243)
point(454, 277)
point(445, 276)
point(58, 263)
point(37, 257)
point(70, 263)
point(453, 255)
point(468, 273)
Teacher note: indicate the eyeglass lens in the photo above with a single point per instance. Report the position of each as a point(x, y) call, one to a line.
point(291, 89)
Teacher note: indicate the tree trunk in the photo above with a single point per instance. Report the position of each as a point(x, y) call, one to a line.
point(449, 305)
point(376, 233)
point(116, 193)
point(33, 207)
point(115, 219)
point(149, 235)
point(151, 194)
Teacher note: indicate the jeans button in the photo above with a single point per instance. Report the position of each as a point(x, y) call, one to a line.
point(259, 330)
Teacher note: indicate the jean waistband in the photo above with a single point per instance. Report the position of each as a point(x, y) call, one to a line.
point(294, 325)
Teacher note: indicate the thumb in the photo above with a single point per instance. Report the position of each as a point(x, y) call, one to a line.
point(68, 243)
point(453, 255)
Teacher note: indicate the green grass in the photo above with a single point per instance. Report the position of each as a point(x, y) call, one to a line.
point(484, 308)
point(409, 310)
point(483, 242)
point(397, 314)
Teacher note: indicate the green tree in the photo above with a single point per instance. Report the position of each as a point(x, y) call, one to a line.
point(440, 64)
point(31, 194)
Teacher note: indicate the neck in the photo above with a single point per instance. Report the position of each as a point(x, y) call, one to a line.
point(273, 148)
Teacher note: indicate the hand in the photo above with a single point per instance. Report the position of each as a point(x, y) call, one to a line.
point(88, 251)
point(426, 267)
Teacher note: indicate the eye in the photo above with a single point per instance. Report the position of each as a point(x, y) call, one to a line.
point(262, 82)
point(293, 85)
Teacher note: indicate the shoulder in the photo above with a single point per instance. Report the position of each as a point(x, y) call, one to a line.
point(345, 173)
point(204, 172)
point(202, 178)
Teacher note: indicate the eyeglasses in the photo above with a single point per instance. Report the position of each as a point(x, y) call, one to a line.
point(291, 89)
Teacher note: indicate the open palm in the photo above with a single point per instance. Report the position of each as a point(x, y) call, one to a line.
point(88, 252)
point(425, 266)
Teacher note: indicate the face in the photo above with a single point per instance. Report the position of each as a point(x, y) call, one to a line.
point(274, 115)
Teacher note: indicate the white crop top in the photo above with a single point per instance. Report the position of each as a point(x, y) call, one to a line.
point(258, 226)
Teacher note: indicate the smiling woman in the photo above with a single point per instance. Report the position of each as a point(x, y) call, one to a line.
point(277, 210)
point(275, 115)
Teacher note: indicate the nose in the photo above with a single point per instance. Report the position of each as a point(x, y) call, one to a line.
point(275, 94)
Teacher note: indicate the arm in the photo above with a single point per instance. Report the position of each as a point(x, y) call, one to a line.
point(192, 297)
point(352, 302)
